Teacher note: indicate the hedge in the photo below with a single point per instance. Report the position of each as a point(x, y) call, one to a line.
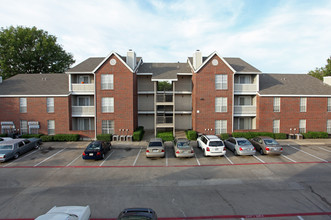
point(191, 135)
point(66, 137)
point(31, 135)
point(138, 134)
point(166, 136)
point(250, 135)
point(104, 137)
point(46, 138)
point(3, 135)
point(224, 136)
point(314, 135)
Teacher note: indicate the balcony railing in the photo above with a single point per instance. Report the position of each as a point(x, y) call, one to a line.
point(82, 88)
point(164, 98)
point(245, 88)
point(245, 109)
point(82, 110)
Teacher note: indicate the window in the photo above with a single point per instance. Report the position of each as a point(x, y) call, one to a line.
point(302, 126)
point(328, 126)
point(245, 100)
point(276, 104)
point(276, 126)
point(303, 104)
point(23, 105)
point(243, 123)
point(51, 127)
point(83, 101)
point(84, 124)
point(24, 127)
point(50, 105)
point(83, 79)
point(220, 126)
point(329, 104)
point(107, 105)
point(107, 127)
point(221, 104)
point(221, 82)
point(107, 81)
point(245, 79)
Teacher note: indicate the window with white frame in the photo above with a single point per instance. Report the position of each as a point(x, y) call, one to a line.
point(328, 126)
point(107, 105)
point(23, 105)
point(329, 104)
point(221, 104)
point(107, 81)
point(84, 124)
point(276, 104)
point(221, 81)
point(51, 127)
point(24, 127)
point(50, 105)
point(302, 126)
point(276, 126)
point(83, 79)
point(245, 79)
point(107, 127)
point(303, 104)
point(220, 127)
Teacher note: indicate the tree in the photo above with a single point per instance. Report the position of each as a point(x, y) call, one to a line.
point(29, 50)
point(319, 73)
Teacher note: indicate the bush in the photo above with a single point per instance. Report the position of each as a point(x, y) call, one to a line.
point(66, 137)
point(166, 136)
point(250, 135)
point(138, 134)
point(224, 136)
point(31, 135)
point(46, 138)
point(191, 135)
point(3, 135)
point(104, 137)
point(314, 135)
point(280, 136)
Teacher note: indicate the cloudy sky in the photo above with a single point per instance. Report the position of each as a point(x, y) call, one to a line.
point(276, 36)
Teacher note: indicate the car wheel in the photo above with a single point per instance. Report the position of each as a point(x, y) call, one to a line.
point(235, 152)
point(16, 155)
point(204, 153)
point(261, 151)
point(198, 144)
point(103, 156)
point(36, 146)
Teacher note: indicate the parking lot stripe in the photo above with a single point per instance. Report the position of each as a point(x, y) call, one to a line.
point(106, 159)
point(135, 161)
point(299, 217)
point(258, 159)
point(21, 158)
point(50, 157)
point(166, 156)
point(74, 160)
point(197, 159)
point(228, 159)
point(288, 158)
point(324, 149)
point(308, 153)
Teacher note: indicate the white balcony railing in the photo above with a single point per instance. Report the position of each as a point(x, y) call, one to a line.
point(244, 109)
point(245, 88)
point(82, 88)
point(83, 111)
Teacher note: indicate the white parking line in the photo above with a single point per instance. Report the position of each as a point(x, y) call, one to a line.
point(308, 153)
point(20, 158)
point(228, 159)
point(106, 159)
point(135, 161)
point(258, 159)
point(324, 149)
point(299, 217)
point(49, 157)
point(166, 156)
point(288, 158)
point(197, 159)
point(74, 160)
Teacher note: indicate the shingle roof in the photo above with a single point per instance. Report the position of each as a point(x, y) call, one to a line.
point(164, 70)
point(292, 84)
point(35, 84)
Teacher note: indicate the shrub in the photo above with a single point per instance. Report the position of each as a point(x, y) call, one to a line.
point(191, 135)
point(31, 135)
point(46, 138)
point(138, 134)
point(66, 137)
point(104, 137)
point(314, 135)
point(166, 136)
point(224, 136)
point(249, 135)
point(280, 136)
point(3, 135)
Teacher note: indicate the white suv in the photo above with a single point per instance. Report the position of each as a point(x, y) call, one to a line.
point(211, 145)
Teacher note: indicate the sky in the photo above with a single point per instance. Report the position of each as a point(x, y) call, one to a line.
point(275, 36)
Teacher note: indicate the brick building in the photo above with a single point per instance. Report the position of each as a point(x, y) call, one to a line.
point(116, 94)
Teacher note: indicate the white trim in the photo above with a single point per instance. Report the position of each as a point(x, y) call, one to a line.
point(210, 56)
point(79, 72)
point(292, 95)
point(145, 92)
point(24, 96)
point(113, 53)
point(184, 74)
point(146, 112)
point(155, 80)
point(144, 74)
point(249, 73)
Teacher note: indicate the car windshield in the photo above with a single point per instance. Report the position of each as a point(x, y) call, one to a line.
point(183, 144)
point(215, 143)
point(270, 142)
point(93, 146)
point(243, 142)
point(6, 147)
point(155, 144)
point(135, 217)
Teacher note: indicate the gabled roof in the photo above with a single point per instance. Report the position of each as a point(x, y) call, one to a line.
point(292, 85)
point(164, 71)
point(35, 85)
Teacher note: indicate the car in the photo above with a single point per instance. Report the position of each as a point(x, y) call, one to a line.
point(5, 138)
point(155, 148)
point(240, 146)
point(137, 214)
point(211, 145)
point(67, 213)
point(96, 150)
point(266, 145)
point(182, 148)
point(16, 147)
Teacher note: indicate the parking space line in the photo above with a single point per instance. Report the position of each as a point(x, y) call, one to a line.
point(74, 160)
point(228, 159)
point(324, 149)
point(197, 159)
point(258, 159)
point(21, 158)
point(106, 159)
point(288, 158)
point(308, 153)
point(166, 156)
point(299, 217)
point(49, 157)
point(135, 161)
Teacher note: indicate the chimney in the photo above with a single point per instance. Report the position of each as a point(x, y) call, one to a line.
point(197, 59)
point(327, 80)
point(131, 59)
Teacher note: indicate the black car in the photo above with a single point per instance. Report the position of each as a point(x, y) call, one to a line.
point(96, 150)
point(137, 214)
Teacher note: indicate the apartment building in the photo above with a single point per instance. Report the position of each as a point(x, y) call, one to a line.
point(210, 94)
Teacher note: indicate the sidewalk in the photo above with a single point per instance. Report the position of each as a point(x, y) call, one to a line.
point(306, 141)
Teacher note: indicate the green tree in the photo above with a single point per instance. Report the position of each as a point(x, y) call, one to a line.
point(319, 73)
point(29, 50)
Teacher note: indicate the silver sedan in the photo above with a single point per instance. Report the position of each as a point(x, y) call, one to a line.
point(182, 148)
point(155, 148)
point(240, 146)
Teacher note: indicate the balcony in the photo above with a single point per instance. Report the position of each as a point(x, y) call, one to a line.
point(164, 99)
point(245, 110)
point(245, 88)
point(82, 88)
point(83, 111)
point(164, 122)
